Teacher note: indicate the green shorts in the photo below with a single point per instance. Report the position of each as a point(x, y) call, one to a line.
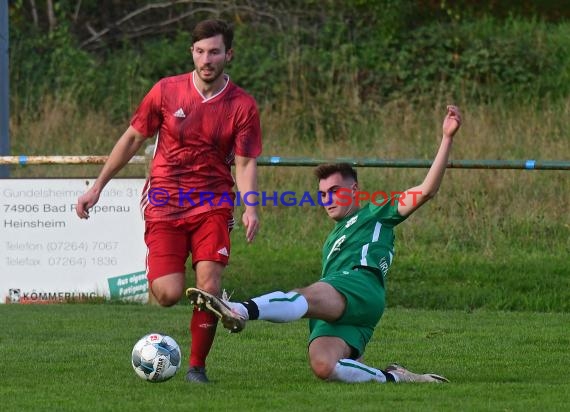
point(364, 293)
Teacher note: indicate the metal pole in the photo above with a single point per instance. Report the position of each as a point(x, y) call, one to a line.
point(528, 164)
point(4, 87)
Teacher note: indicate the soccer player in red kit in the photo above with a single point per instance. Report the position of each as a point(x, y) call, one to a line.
point(203, 123)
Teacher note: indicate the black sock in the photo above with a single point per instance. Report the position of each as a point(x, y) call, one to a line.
point(389, 376)
point(252, 309)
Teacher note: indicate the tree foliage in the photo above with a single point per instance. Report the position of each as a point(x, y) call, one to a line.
point(98, 23)
point(333, 55)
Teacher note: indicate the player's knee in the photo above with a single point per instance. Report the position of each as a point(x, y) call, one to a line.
point(166, 297)
point(322, 368)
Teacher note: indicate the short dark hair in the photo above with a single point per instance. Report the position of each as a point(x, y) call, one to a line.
point(345, 170)
point(210, 28)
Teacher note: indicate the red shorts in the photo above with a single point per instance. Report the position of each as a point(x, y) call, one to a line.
point(206, 236)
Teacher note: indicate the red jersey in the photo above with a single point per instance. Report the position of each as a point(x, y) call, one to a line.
point(197, 140)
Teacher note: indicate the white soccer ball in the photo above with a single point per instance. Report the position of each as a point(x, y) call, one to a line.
point(156, 357)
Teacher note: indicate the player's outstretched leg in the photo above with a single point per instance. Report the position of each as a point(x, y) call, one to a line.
point(206, 301)
point(404, 375)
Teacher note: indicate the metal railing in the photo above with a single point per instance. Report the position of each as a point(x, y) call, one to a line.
point(527, 164)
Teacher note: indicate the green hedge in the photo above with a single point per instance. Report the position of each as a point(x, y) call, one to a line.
point(480, 60)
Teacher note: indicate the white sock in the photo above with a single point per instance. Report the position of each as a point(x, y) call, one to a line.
point(351, 371)
point(276, 307)
point(238, 308)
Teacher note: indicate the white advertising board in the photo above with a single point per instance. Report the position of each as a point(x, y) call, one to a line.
point(48, 254)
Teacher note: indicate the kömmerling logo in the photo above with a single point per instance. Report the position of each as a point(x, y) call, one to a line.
point(16, 295)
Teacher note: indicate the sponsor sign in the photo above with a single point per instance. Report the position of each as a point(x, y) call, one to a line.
point(48, 254)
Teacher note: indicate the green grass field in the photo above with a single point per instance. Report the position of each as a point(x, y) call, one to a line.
point(77, 357)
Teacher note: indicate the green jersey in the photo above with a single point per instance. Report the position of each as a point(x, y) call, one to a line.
point(364, 239)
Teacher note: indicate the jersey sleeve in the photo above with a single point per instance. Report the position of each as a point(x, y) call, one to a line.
point(248, 138)
point(387, 212)
point(148, 116)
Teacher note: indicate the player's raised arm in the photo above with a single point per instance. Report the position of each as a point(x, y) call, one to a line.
point(418, 195)
point(125, 148)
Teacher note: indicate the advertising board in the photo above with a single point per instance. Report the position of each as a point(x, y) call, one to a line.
point(48, 254)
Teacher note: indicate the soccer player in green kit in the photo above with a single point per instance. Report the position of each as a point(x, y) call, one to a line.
point(346, 304)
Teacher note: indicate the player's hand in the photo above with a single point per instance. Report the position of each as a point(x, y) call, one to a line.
point(251, 223)
point(452, 121)
point(86, 202)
